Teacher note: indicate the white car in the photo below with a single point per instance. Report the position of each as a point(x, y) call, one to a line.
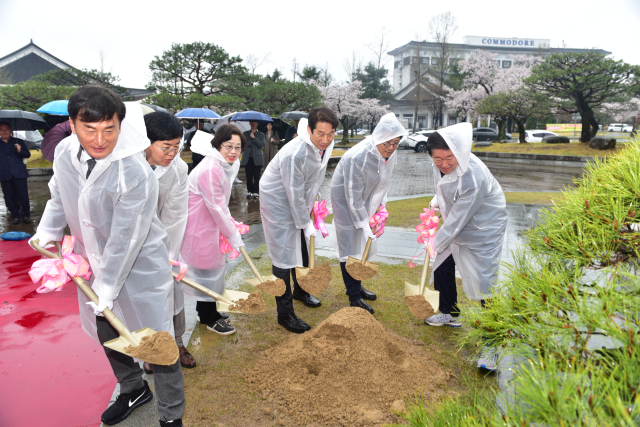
point(418, 141)
point(619, 127)
point(536, 135)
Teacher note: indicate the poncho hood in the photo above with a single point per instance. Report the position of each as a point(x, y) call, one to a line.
point(201, 144)
point(387, 129)
point(133, 135)
point(459, 138)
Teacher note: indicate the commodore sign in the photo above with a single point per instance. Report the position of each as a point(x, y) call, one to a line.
point(506, 42)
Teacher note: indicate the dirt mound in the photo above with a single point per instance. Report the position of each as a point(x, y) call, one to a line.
point(253, 304)
point(419, 306)
point(347, 371)
point(317, 279)
point(158, 349)
point(276, 287)
point(361, 272)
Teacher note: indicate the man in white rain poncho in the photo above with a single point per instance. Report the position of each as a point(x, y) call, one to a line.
point(474, 211)
point(164, 132)
point(358, 189)
point(104, 189)
point(288, 189)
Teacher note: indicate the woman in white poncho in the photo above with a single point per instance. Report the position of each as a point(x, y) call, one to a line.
point(358, 189)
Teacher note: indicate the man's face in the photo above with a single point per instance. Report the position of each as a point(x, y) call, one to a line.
point(322, 135)
point(5, 132)
point(161, 153)
point(444, 160)
point(386, 149)
point(98, 139)
point(254, 125)
point(199, 125)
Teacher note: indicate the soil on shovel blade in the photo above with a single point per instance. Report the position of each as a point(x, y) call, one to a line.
point(253, 304)
point(361, 272)
point(347, 371)
point(157, 349)
point(419, 306)
point(317, 279)
point(276, 287)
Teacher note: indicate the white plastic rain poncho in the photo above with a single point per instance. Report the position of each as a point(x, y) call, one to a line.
point(209, 217)
point(473, 207)
point(288, 188)
point(173, 202)
point(359, 186)
point(113, 216)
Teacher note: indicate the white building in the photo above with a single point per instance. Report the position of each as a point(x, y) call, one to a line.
point(426, 54)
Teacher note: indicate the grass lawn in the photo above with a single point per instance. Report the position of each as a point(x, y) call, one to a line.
point(216, 394)
point(37, 160)
point(572, 149)
point(338, 153)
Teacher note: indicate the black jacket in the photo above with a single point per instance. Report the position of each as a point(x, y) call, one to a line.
point(11, 163)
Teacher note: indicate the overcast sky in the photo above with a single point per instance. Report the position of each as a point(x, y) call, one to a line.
point(130, 33)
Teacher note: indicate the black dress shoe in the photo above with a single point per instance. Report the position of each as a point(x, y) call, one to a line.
point(308, 300)
point(365, 294)
point(16, 221)
point(363, 305)
point(293, 323)
point(26, 220)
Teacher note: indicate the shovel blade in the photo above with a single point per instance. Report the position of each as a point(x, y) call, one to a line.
point(231, 296)
point(432, 297)
point(255, 282)
point(119, 344)
point(301, 272)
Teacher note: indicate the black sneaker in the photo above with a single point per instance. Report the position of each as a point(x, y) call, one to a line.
point(221, 327)
point(16, 221)
point(26, 220)
point(172, 423)
point(225, 317)
point(125, 404)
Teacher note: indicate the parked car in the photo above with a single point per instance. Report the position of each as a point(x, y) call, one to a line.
point(619, 127)
point(487, 134)
point(362, 132)
point(418, 141)
point(536, 135)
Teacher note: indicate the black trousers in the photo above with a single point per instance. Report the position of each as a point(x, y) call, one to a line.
point(16, 197)
point(352, 285)
point(444, 281)
point(253, 176)
point(207, 312)
point(285, 302)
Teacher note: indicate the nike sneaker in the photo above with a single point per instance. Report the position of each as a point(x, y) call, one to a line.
point(125, 404)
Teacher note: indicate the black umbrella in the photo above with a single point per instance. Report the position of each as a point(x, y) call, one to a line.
point(293, 115)
point(23, 120)
point(156, 108)
point(279, 125)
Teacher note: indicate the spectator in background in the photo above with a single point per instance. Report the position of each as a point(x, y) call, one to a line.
point(292, 132)
point(252, 159)
point(13, 174)
point(272, 141)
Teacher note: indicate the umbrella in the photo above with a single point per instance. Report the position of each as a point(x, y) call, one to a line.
point(225, 120)
point(247, 116)
point(156, 108)
point(294, 115)
point(53, 138)
point(57, 108)
point(23, 120)
point(197, 113)
point(31, 137)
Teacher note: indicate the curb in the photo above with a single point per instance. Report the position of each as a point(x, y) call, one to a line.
point(536, 159)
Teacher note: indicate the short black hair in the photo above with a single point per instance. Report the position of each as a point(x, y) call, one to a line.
point(436, 142)
point(3, 122)
point(224, 134)
point(95, 103)
point(322, 114)
point(162, 126)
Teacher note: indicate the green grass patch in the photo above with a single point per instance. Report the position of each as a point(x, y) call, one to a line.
point(37, 160)
point(571, 149)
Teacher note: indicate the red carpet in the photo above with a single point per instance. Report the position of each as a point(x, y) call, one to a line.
point(51, 372)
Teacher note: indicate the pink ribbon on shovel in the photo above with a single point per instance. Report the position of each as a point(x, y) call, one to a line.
point(183, 268)
point(427, 229)
point(56, 272)
point(320, 212)
point(225, 246)
point(376, 222)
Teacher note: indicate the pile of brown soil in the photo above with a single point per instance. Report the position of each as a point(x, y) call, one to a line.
point(317, 279)
point(253, 304)
point(277, 287)
point(157, 349)
point(419, 306)
point(361, 272)
point(347, 371)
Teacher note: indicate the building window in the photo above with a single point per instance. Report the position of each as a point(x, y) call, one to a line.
point(452, 121)
point(396, 64)
point(453, 61)
point(425, 60)
point(422, 121)
point(409, 119)
point(414, 59)
point(434, 61)
point(406, 61)
point(506, 64)
point(497, 62)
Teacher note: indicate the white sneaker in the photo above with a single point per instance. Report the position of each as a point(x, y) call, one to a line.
point(489, 359)
point(443, 319)
point(237, 181)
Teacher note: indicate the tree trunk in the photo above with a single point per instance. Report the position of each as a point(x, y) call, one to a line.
point(520, 125)
point(345, 130)
point(501, 133)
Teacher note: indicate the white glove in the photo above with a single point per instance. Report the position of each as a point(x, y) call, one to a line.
point(41, 243)
point(433, 204)
point(368, 234)
point(102, 304)
point(310, 230)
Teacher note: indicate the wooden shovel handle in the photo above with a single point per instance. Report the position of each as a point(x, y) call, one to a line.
point(253, 267)
point(312, 251)
point(202, 289)
point(365, 255)
point(425, 268)
point(86, 289)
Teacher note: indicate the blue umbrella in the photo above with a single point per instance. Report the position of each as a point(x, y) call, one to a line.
point(247, 116)
point(197, 113)
point(58, 108)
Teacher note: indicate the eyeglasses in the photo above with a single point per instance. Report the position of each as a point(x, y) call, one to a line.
point(231, 147)
point(169, 150)
point(389, 145)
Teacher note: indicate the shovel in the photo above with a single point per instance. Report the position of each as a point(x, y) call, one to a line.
point(223, 301)
point(351, 261)
point(258, 279)
point(432, 297)
point(127, 338)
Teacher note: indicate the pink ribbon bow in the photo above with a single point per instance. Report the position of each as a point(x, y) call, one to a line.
point(183, 268)
point(427, 229)
point(225, 246)
point(56, 272)
point(320, 212)
point(376, 222)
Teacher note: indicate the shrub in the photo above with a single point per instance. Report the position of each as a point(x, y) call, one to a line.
point(556, 139)
point(600, 143)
